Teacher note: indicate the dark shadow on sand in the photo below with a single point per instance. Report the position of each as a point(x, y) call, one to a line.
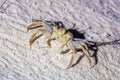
point(92, 46)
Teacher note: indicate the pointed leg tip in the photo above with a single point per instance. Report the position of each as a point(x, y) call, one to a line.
point(68, 67)
point(27, 29)
point(30, 45)
point(49, 46)
point(91, 66)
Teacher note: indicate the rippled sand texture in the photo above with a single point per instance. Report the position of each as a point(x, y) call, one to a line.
point(98, 19)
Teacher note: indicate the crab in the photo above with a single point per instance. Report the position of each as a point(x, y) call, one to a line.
point(55, 31)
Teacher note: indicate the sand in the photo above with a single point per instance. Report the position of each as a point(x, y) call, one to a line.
point(99, 20)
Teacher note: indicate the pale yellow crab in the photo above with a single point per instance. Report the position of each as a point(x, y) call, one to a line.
point(56, 32)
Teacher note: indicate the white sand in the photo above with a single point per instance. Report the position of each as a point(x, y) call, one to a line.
point(19, 62)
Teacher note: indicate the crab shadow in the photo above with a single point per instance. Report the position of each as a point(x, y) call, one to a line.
point(92, 46)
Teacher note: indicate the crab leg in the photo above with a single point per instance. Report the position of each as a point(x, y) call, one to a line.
point(64, 45)
point(64, 52)
point(85, 46)
point(34, 25)
point(86, 54)
point(31, 40)
point(49, 40)
point(72, 58)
